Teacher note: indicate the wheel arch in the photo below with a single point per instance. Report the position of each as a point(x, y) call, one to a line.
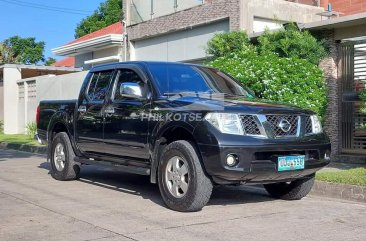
point(58, 125)
point(166, 136)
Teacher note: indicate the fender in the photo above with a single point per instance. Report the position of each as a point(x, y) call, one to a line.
point(157, 140)
point(63, 118)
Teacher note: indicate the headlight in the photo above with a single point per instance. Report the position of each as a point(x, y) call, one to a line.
point(226, 123)
point(316, 124)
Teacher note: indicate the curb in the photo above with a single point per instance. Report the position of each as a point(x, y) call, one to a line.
point(339, 191)
point(25, 148)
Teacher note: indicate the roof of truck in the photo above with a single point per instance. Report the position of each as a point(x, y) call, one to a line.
point(144, 63)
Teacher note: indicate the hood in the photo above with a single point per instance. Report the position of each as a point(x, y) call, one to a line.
point(225, 103)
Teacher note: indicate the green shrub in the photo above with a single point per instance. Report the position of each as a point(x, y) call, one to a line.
point(286, 80)
point(31, 129)
point(225, 43)
point(281, 67)
point(292, 43)
point(1, 127)
point(362, 95)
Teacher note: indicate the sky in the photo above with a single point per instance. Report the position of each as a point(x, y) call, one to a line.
point(55, 28)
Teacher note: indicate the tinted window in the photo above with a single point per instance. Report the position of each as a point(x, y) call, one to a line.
point(98, 87)
point(125, 76)
point(176, 78)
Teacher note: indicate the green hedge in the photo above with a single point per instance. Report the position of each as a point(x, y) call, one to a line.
point(295, 79)
point(286, 80)
point(292, 43)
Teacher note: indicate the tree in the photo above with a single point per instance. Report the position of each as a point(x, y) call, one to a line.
point(50, 61)
point(6, 54)
point(108, 13)
point(293, 43)
point(225, 43)
point(17, 50)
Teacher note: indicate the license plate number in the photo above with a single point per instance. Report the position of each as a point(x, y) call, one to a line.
point(289, 163)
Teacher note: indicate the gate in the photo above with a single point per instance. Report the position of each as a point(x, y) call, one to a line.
point(353, 110)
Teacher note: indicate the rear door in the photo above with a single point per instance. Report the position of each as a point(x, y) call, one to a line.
point(90, 116)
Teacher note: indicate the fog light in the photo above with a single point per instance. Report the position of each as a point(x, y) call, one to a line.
point(232, 160)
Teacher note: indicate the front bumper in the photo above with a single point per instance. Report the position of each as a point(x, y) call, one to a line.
point(258, 164)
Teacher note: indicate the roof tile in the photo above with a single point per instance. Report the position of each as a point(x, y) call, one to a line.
point(115, 28)
point(66, 62)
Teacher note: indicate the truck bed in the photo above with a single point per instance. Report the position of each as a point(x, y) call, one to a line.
point(49, 109)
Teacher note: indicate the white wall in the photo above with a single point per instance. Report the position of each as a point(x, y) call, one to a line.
point(108, 52)
point(261, 24)
point(141, 9)
point(256, 15)
point(61, 87)
point(187, 45)
point(11, 75)
point(1, 100)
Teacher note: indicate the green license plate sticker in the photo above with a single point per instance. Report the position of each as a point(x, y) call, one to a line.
point(289, 163)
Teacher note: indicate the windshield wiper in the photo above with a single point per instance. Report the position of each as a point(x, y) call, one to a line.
point(181, 94)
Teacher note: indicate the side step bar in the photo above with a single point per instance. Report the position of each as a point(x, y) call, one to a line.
point(129, 169)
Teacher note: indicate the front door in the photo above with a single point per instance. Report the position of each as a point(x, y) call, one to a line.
point(90, 116)
point(126, 126)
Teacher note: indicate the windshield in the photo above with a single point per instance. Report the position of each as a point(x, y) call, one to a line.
point(178, 78)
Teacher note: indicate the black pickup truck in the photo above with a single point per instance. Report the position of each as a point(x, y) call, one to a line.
point(186, 126)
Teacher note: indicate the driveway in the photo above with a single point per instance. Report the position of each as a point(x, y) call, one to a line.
point(109, 205)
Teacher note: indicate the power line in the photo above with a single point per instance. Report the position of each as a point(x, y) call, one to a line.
point(46, 7)
point(49, 6)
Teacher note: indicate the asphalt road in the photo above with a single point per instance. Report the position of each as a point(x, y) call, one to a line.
point(109, 205)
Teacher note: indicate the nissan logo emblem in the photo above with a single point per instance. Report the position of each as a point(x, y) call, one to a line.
point(284, 125)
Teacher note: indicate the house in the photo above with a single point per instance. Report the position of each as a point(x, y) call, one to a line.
point(102, 46)
point(345, 72)
point(179, 30)
point(22, 87)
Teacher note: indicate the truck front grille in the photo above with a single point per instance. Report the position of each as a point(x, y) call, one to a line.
point(275, 121)
point(270, 125)
point(308, 125)
point(250, 125)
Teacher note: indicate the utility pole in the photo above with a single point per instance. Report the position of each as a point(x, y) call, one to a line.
point(124, 30)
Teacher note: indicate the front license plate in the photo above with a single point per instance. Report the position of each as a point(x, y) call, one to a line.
point(289, 163)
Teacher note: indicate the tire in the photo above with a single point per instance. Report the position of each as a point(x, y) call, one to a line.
point(184, 198)
point(294, 190)
point(69, 170)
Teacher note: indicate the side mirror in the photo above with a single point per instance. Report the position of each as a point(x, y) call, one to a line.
point(130, 90)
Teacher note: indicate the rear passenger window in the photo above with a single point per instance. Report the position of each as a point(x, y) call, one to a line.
point(98, 87)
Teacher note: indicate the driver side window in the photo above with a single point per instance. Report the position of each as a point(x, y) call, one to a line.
point(127, 76)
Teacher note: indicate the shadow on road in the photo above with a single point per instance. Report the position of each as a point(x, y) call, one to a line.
point(141, 186)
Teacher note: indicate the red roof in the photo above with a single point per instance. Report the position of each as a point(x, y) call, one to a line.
point(115, 28)
point(66, 62)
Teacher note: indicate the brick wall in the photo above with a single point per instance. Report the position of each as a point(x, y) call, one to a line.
point(349, 7)
point(330, 66)
point(215, 9)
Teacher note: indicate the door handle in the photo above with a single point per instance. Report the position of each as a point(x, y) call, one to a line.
point(109, 110)
point(82, 108)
